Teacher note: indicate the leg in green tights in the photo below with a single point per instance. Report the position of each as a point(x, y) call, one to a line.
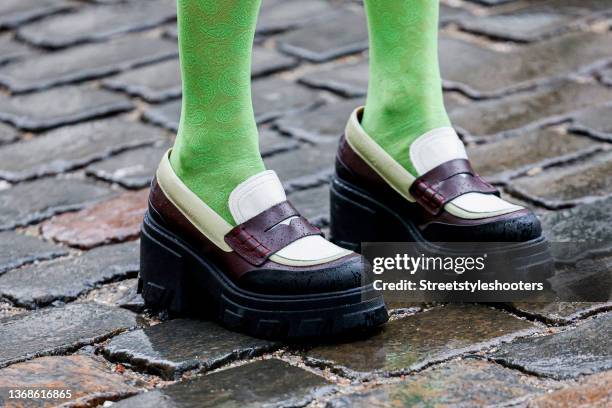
point(217, 144)
point(405, 92)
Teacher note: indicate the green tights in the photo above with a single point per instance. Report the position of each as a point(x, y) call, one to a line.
point(217, 144)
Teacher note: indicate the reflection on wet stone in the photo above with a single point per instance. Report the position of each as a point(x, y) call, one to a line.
point(465, 383)
point(268, 383)
point(87, 379)
point(417, 340)
point(587, 228)
point(170, 348)
point(569, 354)
point(588, 279)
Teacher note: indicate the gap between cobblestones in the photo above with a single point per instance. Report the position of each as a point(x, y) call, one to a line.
point(551, 322)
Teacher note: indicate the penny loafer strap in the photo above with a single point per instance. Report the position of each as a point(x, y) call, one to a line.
point(258, 238)
point(446, 182)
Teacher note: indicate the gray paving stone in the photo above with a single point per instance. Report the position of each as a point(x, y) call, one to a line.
point(501, 160)
point(313, 203)
point(267, 383)
point(132, 169)
point(582, 182)
point(40, 111)
point(60, 329)
point(272, 98)
point(418, 340)
point(7, 134)
point(450, 14)
point(7, 310)
point(606, 76)
point(89, 380)
point(305, 167)
point(457, 384)
point(533, 21)
point(96, 23)
point(11, 50)
point(324, 124)
point(282, 15)
point(271, 142)
point(65, 279)
point(21, 249)
point(173, 347)
point(275, 97)
point(71, 147)
point(84, 62)
point(593, 391)
point(267, 61)
point(166, 115)
point(491, 2)
point(34, 201)
point(569, 354)
point(481, 72)
point(595, 122)
point(349, 80)
point(340, 33)
point(560, 312)
point(153, 83)
point(587, 279)
point(526, 25)
point(16, 12)
point(551, 104)
point(588, 227)
point(162, 82)
point(119, 294)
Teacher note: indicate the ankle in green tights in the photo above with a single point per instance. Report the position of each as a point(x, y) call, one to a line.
point(404, 97)
point(217, 144)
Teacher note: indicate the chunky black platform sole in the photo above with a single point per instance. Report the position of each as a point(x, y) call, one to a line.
point(176, 279)
point(356, 217)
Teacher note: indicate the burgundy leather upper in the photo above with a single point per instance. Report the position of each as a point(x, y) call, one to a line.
point(261, 236)
point(446, 182)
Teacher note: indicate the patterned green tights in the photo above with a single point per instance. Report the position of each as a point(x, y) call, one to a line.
point(217, 143)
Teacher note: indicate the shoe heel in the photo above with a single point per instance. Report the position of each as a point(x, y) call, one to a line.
point(164, 278)
point(354, 218)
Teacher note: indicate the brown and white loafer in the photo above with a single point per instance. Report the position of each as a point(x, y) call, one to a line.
point(273, 275)
point(447, 202)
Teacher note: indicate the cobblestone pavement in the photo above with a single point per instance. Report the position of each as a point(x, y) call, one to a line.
point(90, 99)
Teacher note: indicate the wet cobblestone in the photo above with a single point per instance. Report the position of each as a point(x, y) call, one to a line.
point(90, 101)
